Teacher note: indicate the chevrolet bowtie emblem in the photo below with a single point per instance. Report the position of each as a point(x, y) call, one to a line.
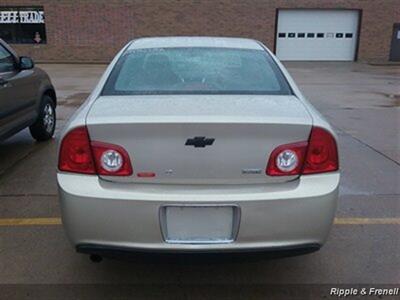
point(199, 142)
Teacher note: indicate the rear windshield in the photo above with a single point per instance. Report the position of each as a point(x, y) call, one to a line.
point(196, 71)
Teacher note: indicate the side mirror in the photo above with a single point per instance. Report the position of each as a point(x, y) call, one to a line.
point(26, 63)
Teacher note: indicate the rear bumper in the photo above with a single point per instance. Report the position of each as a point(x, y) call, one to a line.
point(123, 252)
point(98, 215)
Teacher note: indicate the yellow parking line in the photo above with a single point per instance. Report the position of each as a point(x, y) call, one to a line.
point(30, 221)
point(57, 221)
point(367, 221)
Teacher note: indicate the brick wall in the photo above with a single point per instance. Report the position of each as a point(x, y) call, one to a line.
point(94, 30)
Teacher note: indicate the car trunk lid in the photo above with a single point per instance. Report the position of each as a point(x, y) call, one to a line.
point(199, 139)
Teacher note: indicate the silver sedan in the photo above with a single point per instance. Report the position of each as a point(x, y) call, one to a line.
point(197, 144)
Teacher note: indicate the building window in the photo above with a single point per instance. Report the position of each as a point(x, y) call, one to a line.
point(282, 34)
point(320, 35)
point(22, 25)
point(310, 35)
point(301, 35)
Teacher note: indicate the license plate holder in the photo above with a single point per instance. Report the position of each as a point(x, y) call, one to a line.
point(199, 224)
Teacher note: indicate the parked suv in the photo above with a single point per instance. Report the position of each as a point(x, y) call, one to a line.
point(27, 97)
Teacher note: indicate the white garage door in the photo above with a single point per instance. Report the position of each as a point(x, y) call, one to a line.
point(317, 34)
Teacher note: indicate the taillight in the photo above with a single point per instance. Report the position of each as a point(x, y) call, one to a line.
point(322, 153)
point(287, 159)
point(79, 155)
point(75, 153)
point(111, 160)
point(318, 155)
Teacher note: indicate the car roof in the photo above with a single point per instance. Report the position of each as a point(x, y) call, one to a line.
point(194, 41)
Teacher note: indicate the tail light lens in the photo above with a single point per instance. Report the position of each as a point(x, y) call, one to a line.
point(318, 155)
point(75, 153)
point(79, 155)
point(287, 159)
point(322, 153)
point(111, 160)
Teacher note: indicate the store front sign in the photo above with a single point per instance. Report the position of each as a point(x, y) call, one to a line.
point(22, 17)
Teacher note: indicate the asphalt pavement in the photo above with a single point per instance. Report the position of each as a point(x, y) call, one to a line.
point(361, 102)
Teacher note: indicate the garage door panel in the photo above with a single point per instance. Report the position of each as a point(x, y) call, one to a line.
point(317, 35)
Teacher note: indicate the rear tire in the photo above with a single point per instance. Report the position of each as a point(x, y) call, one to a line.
point(43, 128)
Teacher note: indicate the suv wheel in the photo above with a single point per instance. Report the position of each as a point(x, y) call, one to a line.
point(43, 128)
